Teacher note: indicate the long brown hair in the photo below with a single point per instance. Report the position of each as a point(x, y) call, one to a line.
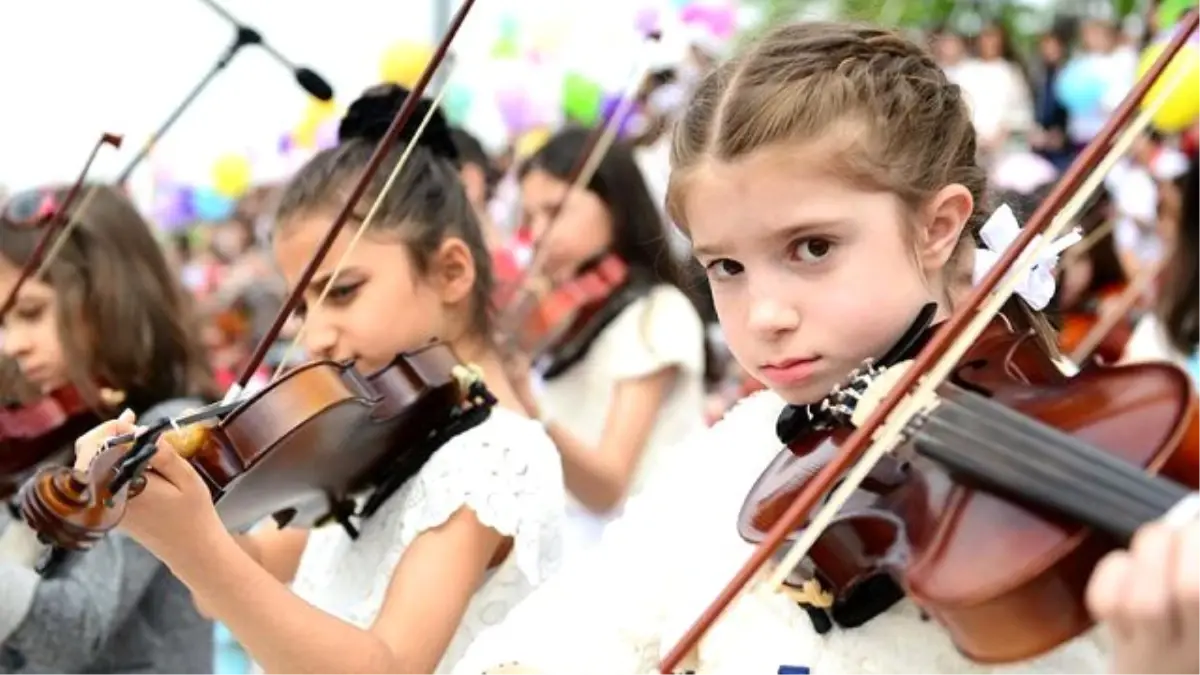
point(1179, 300)
point(123, 318)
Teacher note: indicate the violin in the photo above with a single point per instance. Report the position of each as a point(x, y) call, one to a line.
point(561, 323)
point(31, 433)
point(1078, 323)
point(1001, 498)
point(314, 441)
point(545, 315)
point(302, 449)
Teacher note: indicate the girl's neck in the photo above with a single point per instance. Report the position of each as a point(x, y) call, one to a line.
point(480, 352)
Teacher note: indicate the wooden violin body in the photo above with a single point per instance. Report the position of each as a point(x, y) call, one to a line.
point(32, 433)
point(540, 320)
point(968, 514)
point(297, 448)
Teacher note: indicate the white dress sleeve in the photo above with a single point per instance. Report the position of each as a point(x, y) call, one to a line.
point(614, 609)
point(658, 331)
point(508, 472)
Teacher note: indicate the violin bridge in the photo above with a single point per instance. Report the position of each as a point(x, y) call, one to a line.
point(810, 593)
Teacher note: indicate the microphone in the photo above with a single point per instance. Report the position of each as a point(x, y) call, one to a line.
point(311, 82)
point(244, 36)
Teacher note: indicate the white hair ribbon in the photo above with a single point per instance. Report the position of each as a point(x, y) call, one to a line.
point(998, 233)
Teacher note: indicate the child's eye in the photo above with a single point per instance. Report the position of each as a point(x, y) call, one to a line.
point(723, 268)
point(342, 293)
point(30, 313)
point(813, 249)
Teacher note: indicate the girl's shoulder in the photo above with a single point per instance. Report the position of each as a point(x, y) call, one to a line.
point(507, 470)
point(658, 330)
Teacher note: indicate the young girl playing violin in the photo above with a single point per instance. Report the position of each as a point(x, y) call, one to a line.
point(108, 319)
point(462, 540)
point(827, 178)
point(615, 406)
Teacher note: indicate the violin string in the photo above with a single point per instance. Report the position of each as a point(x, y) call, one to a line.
point(994, 444)
point(73, 222)
point(362, 229)
point(998, 466)
point(922, 396)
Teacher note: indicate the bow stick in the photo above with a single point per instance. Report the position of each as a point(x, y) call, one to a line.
point(594, 148)
point(51, 222)
point(943, 339)
point(366, 223)
point(381, 150)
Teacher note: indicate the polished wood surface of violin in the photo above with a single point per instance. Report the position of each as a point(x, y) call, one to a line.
point(1006, 494)
point(32, 433)
point(296, 449)
point(542, 318)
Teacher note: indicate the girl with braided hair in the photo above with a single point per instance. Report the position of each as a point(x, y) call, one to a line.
point(828, 182)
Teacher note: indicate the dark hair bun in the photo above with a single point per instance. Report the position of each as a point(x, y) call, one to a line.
point(370, 116)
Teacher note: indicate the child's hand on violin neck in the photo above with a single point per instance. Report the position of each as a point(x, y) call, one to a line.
point(89, 445)
point(173, 516)
point(1150, 598)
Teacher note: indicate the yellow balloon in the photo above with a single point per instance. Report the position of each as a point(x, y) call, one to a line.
point(318, 111)
point(305, 134)
point(231, 175)
point(530, 142)
point(1181, 105)
point(403, 63)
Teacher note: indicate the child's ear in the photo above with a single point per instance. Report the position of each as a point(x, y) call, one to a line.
point(452, 270)
point(945, 217)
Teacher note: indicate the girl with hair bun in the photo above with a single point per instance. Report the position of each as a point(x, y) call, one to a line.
point(464, 538)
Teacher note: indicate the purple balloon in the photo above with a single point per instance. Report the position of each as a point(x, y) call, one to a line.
point(646, 20)
point(173, 207)
point(285, 143)
point(608, 108)
point(516, 110)
point(327, 134)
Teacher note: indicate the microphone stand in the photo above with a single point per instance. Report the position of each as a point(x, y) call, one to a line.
point(245, 37)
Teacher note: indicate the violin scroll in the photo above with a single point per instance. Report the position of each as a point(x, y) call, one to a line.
point(71, 508)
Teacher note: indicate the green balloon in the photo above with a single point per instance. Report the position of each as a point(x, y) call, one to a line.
point(1170, 11)
point(581, 98)
point(505, 48)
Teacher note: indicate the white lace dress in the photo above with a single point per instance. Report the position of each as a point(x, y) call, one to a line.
point(507, 471)
point(659, 331)
point(622, 608)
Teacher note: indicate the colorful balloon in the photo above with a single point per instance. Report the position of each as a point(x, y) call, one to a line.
point(457, 103)
point(581, 98)
point(231, 175)
point(404, 62)
point(1081, 86)
point(1181, 104)
point(208, 204)
point(1170, 11)
point(530, 142)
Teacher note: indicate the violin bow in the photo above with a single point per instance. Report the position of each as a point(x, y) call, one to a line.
point(373, 164)
point(1115, 314)
point(50, 223)
point(595, 147)
point(366, 223)
point(993, 289)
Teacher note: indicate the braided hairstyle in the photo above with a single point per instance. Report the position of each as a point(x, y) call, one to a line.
point(897, 123)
